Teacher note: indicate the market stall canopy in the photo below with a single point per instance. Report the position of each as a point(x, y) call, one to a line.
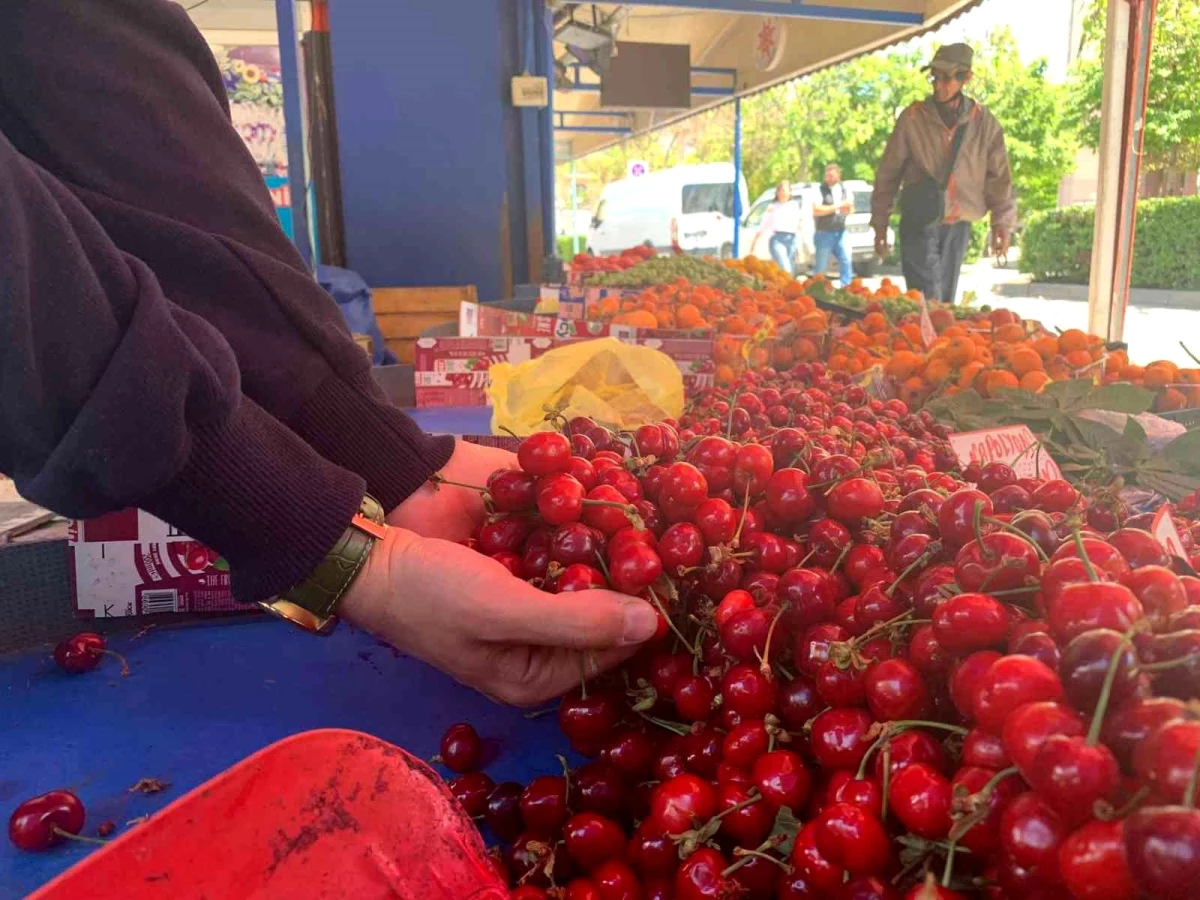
point(734, 47)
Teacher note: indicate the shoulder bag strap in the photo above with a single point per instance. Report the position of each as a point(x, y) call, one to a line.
point(955, 146)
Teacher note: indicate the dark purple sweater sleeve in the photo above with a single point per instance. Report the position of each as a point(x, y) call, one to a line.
point(135, 123)
point(110, 396)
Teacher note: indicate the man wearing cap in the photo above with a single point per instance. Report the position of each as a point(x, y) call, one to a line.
point(947, 161)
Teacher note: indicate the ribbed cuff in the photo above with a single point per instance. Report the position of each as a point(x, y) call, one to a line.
point(262, 498)
point(351, 424)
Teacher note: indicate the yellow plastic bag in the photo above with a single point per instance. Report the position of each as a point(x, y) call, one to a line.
point(619, 385)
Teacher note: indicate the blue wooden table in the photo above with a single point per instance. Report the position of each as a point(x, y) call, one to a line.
point(202, 696)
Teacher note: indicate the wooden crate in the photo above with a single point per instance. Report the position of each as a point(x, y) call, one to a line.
point(404, 312)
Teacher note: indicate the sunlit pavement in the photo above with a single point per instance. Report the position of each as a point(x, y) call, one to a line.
point(1152, 333)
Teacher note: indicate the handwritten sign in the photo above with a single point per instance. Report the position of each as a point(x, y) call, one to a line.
point(928, 332)
point(1164, 530)
point(1011, 444)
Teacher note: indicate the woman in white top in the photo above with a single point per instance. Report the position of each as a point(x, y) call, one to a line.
point(781, 221)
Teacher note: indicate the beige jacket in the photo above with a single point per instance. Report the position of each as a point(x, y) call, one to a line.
point(920, 145)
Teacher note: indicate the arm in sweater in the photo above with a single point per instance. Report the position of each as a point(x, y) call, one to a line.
point(135, 123)
point(112, 396)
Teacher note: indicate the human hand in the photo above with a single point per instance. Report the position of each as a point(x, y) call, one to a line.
point(881, 243)
point(464, 613)
point(452, 513)
point(1000, 241)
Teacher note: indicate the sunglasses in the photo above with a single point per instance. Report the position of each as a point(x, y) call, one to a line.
point(948, 76)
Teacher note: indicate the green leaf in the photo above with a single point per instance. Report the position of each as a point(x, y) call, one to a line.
point(786, 827)
point(1096, 435)
point(1124, 398)
point(1069, 393)
point(1184, 450)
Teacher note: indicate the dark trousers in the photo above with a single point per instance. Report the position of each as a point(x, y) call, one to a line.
point(932, 257)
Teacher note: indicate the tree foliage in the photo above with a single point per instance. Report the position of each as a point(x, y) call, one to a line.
point(845, 114)
point(1172, 127)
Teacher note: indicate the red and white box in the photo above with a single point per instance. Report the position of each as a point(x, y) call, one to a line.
point(130, 563)
point(454, 371)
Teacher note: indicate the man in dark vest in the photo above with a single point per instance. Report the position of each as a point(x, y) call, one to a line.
point(829, 216)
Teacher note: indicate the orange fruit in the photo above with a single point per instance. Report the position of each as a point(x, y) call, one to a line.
point(936, 371)
point(1131, 373)
point(913, 392)
point(805, 350)
point(724, 374)
point(1170, 400)
point(1072, 339)
point(1160, 373)
point(961, 351)
point(1010, 332)
point(1024, 360)
point(1004, 317)
point(998, 379)
point(687, 315)
point(1078, 359)
point(969, 373)
point(1046, 347)
point(902, 365)
point(1034, 381)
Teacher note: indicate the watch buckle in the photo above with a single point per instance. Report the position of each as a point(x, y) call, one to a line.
point(298, 615)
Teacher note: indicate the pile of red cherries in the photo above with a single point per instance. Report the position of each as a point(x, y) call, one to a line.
point(877, 675)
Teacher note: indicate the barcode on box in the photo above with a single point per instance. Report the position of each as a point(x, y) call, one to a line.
point(166, 601)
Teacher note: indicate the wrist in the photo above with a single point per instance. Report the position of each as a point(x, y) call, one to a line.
point(313, 602)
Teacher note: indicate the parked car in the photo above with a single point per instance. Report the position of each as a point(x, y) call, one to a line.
point(689, 207)
point(860, 238)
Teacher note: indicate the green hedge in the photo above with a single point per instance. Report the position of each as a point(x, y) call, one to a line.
point(1057, 244)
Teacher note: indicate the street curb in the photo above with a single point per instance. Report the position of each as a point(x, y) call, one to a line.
point(1150, 297)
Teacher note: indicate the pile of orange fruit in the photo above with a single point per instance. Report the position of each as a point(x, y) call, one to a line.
point(780, 325)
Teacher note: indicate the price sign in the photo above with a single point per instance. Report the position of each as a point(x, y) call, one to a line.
point(928, 332)
point(1012, 444)
point(1164, 530)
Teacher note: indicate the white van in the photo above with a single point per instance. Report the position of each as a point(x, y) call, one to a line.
point(691, 207)
point(860, 237)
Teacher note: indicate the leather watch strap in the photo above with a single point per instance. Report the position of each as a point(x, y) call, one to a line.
point(312, 603)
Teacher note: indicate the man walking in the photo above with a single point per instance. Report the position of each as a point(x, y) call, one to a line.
point(946, 159)
point(829, 217)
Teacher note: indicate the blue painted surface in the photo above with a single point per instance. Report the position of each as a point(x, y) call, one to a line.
point(737, 176)
point(202, 697)
point(454, 419)
point(425, 129)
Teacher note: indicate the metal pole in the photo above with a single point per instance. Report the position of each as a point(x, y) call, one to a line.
point(737, 176)
point(293, 118)
point(1108, 185)
point(574, 206)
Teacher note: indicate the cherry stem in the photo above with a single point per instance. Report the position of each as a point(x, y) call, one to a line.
point(1110, 677)
point(744, 856)
point(437, 479)
point(857, 642)
point(732, 407)
point(908, 570)
point(1013, 529)
point(113, 653)
point(673, 727)
point(977, 526)
point(737, 535)
point(629, 509)
point(969, 821)
point(887, 781)
point(898, 727)
point(72, 836)
point(842, 556)
point(1189, 352)
point(1087, 562)
point(658, 604)
point(1189, 794)
point(1165, 664)
point(765, 666)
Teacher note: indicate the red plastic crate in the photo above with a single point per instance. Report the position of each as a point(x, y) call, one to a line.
point(322, 814)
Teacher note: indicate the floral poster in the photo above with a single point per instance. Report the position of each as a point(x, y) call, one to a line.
point(255, 88)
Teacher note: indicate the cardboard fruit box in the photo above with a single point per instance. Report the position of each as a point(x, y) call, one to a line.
point(130, 563)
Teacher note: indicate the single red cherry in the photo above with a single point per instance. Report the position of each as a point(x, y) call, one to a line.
point(1083, 606)
point(970, 622)
point(680, 803)
point(83, 652)
point(1134, 721)
point(1031, 833)
point(502, 811)
point(592, 839)
point(782, 779)
point(559, 499)
point(850, 837)
point(839, 738)
point(1028, 727)
point(461, 749)
point(544, 804)
point(1162, 848)
point(1086, 661)
point(1011, 682)
point(472, 791)
point(853, 500)
point(1073, 775)
point(965, 678)
point(544, 453)
point(45, 820)
point(895, 690)
point(921, 798)
point(1092, 862)
point(956, 518)
point(1166, 760)
point(700, 876)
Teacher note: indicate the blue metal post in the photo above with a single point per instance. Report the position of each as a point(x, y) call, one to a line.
point(574, 207)
point(737, 176)
point(544, 52)
point(528, 22)
point(293, 119)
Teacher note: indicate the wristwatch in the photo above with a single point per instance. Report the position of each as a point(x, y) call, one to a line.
point(312, 603)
